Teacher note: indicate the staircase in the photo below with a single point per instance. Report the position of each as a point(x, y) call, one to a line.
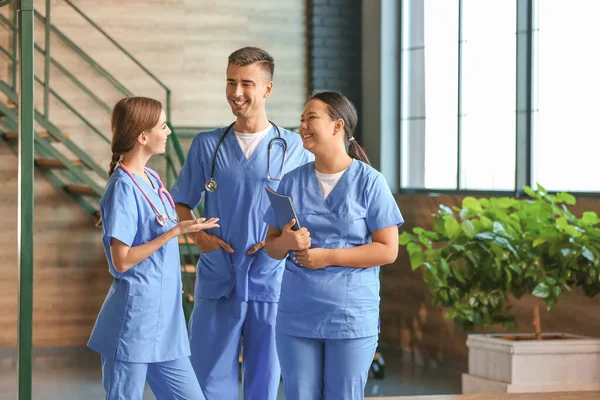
point(61, 160)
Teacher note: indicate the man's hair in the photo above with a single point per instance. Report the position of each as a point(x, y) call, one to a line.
point(250, 55)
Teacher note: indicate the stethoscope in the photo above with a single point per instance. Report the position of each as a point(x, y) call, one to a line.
point(211, 184)
point(162, 192)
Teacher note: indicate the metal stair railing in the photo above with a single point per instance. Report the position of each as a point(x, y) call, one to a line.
point(72, 177)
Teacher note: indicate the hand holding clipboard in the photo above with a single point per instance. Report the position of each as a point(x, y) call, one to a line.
point(294, 237)
point(283, 207)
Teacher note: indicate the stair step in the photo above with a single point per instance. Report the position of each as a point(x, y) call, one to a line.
point(55, 163)
point(14, 106)
point(188, 269)
point(185, 240)
point(15, 135)
point(80, 189)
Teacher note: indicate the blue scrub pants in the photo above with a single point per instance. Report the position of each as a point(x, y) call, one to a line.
point(325, 369)
point(172, 380)
point(215, 329)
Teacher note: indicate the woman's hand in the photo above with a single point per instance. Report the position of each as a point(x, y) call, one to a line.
point(195, 225)
point(294, 240)
point(312, 258)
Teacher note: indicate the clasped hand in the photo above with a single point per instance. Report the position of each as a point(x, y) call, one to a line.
point(294, 240)
point(299, 242)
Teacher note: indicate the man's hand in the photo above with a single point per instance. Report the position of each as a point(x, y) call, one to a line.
point(256, 247)
point(207, 243)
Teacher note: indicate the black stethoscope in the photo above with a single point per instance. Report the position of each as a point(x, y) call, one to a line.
point(211, 184)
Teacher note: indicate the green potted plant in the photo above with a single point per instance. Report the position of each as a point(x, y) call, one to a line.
point(479, 256)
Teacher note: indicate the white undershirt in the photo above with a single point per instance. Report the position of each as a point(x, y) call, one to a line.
point(328, 181)
point(250, 141)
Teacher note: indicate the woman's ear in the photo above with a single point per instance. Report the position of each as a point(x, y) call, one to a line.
point(338, 127)
point(142, 138)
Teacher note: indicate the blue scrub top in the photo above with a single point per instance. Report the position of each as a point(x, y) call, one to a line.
point(141, 319)
point(335, 302)
point(240, 202)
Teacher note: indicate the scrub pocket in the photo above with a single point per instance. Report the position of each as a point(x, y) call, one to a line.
point(141, 317)
point(216, 267)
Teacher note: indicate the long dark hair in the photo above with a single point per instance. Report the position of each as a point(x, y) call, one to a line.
point(339, 107)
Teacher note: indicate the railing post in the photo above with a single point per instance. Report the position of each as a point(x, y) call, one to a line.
point(15, 7)
point(47, 59)
point(168, 106)
point(169, 144)
point(26, 196)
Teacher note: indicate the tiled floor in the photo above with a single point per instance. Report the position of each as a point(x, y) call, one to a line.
point(70, 383)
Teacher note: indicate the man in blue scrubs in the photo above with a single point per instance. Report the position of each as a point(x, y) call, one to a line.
point(237, 283)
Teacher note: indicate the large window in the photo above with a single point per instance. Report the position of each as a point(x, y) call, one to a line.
point(429, 94)
point(568, 85)
point(480, 76)
point(458, 99)
point(440, 93)
point(488, 95)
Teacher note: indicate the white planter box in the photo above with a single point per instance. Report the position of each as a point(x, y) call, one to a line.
point(515, 366)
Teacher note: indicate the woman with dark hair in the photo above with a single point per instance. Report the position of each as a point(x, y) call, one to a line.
point(140, 331)
point(328, 319)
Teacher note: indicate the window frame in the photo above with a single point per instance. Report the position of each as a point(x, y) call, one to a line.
point(527, 31)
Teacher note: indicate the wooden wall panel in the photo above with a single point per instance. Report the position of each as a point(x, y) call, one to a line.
point(70, 272)
point(185, 43)
point(409, 321)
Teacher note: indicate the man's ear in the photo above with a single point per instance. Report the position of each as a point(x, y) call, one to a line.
point(269, 89)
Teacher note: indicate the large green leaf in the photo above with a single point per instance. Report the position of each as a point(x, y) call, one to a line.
point(587, 254)
point(505, 202)
point(425, 241)
point(565, 198)
point(529, 192)
point(413, 248)
point(416, 260)
point(486, 223)
point(590, 218)
point(452, 226)
point(406, 238)
point(472, 203)
point(468, 228)
point(541, 290)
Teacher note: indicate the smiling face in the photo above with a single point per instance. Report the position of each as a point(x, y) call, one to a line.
point(248, 88)
point(318, 130)
point(155, 139)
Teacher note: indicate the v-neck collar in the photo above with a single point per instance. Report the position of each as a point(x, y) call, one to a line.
point(340, 182)
point(260, 149)
point(141, 180)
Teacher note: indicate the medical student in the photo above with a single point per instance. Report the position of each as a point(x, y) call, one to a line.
point(328, 318)
point(237, 283)
point(140, 330)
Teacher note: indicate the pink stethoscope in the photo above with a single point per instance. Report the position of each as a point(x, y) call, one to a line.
point(162, 192)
